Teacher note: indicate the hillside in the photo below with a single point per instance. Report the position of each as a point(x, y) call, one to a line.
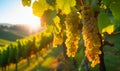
point(8, 35)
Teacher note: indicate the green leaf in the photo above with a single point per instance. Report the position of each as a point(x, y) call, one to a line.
point(115, 8)
point(47, 17)
point(104, 23)
point(65, 5)
point(108, 2)
point(39, 7)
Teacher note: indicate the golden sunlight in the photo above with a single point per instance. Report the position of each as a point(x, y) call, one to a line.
point(27, 18)
point(16, 14)
point(35, 26)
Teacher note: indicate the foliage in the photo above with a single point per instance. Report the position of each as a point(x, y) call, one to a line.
point(24, 48)
point(65, 5)
point(108, 26)
point(63, 16)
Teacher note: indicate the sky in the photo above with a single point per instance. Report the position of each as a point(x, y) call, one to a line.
point(12, 11)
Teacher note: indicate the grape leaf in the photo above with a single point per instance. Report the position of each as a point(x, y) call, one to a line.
point(115, 8)
point(39, 7)
point(65, 5)
point(104, 23)
point(109, 29)
point(47, 17)
point(108, 2)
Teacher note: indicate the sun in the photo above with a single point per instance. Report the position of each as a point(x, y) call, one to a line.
point(34, 26)
point(27, 18)
point(33, 22)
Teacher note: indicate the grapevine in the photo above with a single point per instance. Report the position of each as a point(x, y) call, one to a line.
point(68, 30)
point(24, 48)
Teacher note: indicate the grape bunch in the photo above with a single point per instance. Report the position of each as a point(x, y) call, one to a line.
point(58, 39)
point(90, 35)
point(58, 32)
point(72, 33)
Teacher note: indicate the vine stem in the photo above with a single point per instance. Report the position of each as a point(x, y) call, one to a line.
point(107, 43)
point(102, 63)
